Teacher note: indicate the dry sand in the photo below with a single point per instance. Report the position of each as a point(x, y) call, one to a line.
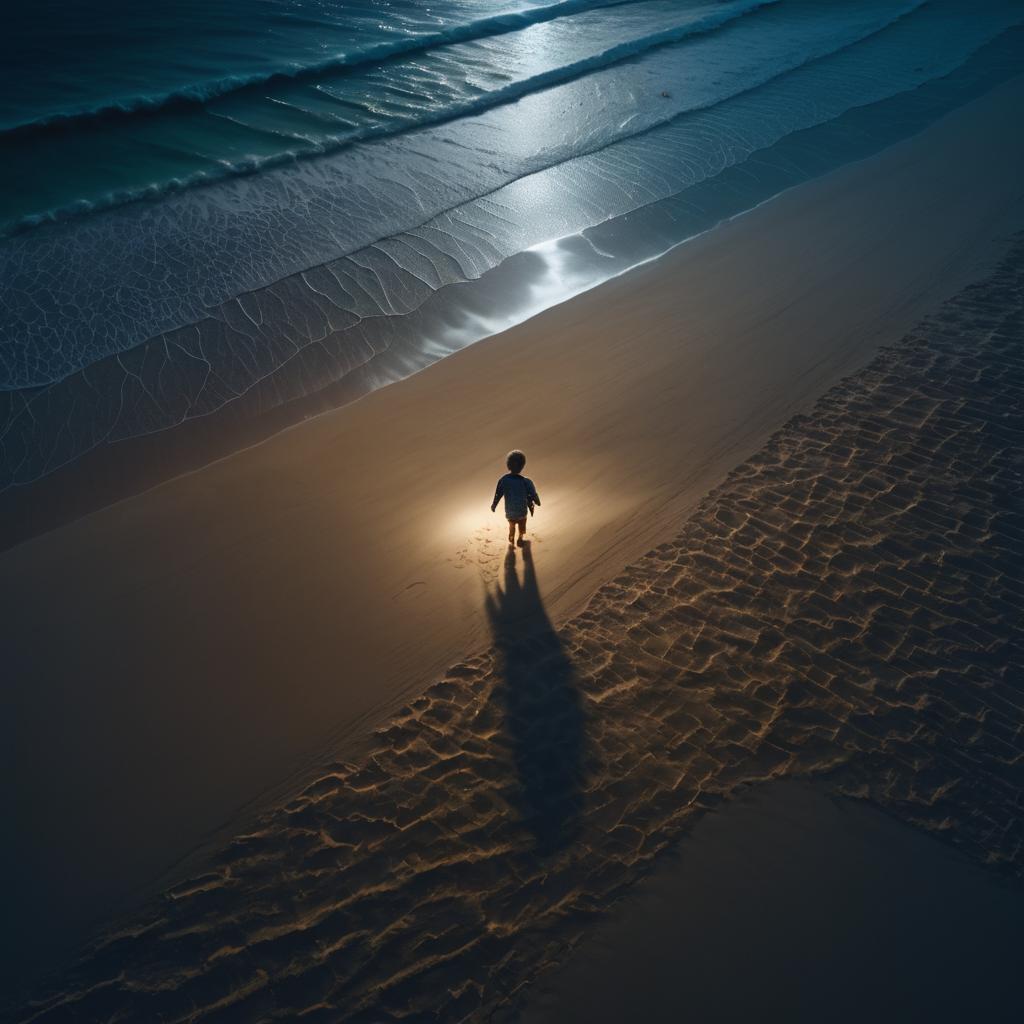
point(177, 655)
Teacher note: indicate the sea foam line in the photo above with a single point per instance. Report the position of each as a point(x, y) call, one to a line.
point(332, 143)
point(200, 92)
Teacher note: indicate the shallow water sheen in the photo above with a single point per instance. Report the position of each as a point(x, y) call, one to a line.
point(480, 141)
point(147, 144)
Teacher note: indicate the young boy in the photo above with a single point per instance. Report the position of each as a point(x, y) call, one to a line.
point(519, 493)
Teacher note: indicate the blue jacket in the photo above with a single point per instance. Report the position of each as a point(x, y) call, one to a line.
point(519, 493)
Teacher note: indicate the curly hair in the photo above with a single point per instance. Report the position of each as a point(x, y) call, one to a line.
point(515, 460)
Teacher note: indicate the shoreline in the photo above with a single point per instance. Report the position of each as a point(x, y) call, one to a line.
point(252, 611)
point(149, 423)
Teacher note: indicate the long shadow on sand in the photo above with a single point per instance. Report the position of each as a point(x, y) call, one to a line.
point(543, 717)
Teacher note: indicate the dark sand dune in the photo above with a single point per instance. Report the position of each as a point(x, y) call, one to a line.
point(847, 603)
point(793, 906)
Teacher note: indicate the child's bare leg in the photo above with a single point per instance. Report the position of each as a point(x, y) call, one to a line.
point(511, 531)
point(522, 530)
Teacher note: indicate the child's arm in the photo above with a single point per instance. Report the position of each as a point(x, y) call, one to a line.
point(532, 494)
point(498, 492)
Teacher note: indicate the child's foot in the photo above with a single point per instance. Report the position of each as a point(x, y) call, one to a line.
point(519, 543)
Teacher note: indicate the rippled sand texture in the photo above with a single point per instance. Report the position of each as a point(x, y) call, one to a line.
point(848, 601)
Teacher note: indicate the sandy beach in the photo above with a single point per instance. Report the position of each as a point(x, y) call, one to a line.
point(843, 606)
point(271, 614)
point(770, 910)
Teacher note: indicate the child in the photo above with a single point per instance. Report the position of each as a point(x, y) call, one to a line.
point(519, 493)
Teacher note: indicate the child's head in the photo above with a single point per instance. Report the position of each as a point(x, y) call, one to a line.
point(515, 460)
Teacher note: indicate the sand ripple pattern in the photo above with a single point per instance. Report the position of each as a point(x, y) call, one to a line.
point(847, 602)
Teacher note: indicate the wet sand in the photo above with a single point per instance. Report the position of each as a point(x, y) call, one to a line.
point(844, 606)
point(193, 652)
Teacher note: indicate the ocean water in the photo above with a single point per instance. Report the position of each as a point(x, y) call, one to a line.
point(216, 210)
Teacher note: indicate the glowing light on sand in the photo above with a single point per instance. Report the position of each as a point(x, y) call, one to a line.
point(472, 521)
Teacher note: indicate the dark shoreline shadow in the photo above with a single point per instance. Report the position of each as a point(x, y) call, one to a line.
point(543, 716)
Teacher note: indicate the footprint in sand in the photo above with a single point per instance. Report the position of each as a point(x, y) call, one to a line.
point(486, 550)
point(480, 550)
